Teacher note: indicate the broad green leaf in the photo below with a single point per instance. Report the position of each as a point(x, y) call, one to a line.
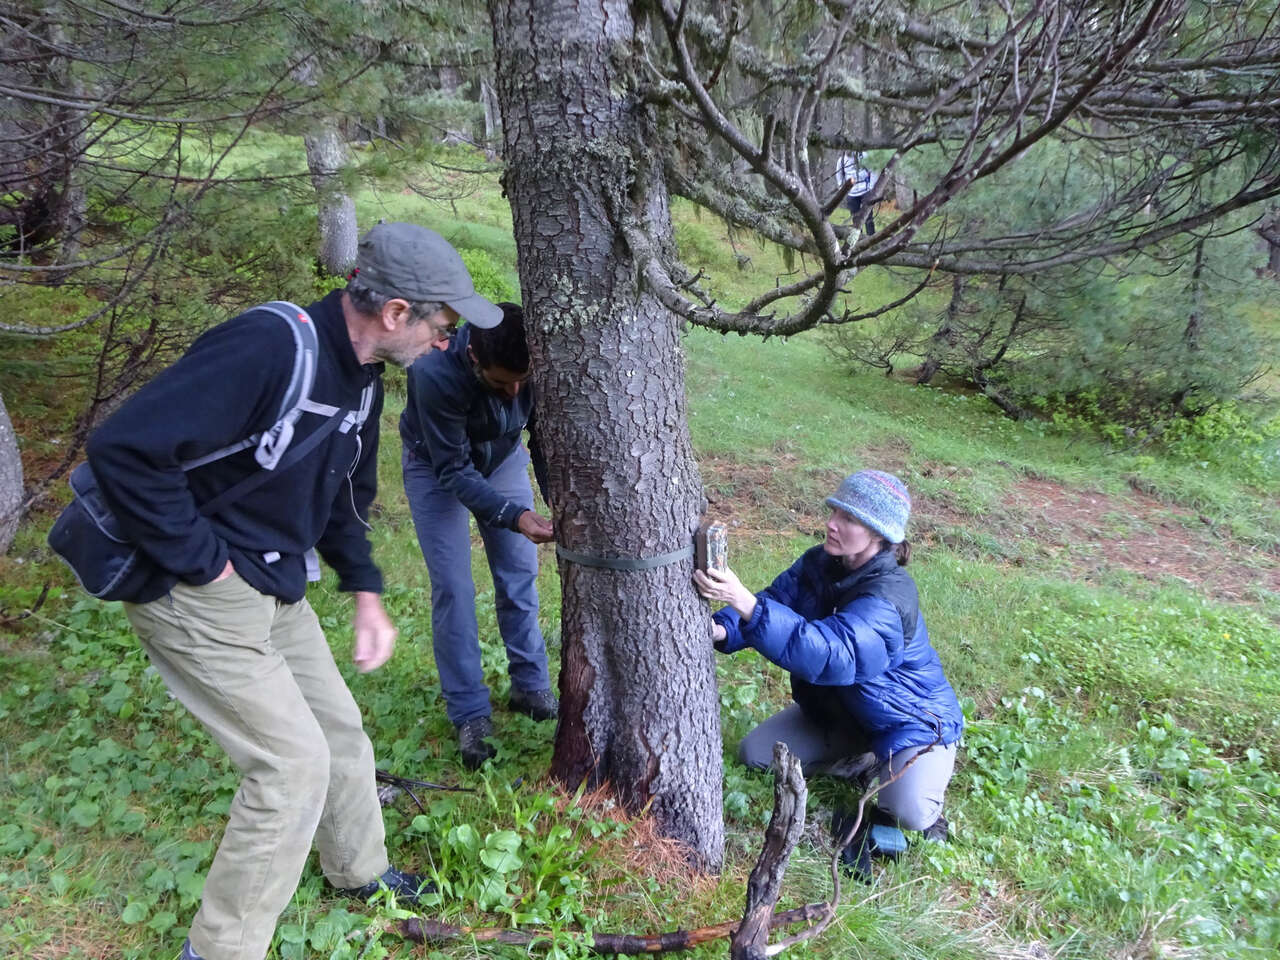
point(84, 814)
point(134, 912)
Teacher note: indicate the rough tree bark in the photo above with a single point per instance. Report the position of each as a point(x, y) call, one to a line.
point(637, 682)
point(10, 480)
point(327, 157)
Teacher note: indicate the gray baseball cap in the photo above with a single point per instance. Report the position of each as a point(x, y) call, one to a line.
point(416, 264)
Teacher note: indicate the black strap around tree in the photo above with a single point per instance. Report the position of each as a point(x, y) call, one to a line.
point(623, 563)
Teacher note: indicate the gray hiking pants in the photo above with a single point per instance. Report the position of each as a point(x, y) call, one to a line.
point(915, 800)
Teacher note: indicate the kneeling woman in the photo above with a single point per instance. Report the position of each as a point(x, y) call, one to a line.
point(844, 620)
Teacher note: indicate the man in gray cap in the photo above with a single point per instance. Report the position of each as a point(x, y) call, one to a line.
point(221, 609)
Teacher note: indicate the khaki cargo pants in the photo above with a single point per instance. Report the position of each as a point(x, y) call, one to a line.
point(259, 675)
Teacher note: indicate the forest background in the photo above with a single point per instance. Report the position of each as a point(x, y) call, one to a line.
point(1091, 440)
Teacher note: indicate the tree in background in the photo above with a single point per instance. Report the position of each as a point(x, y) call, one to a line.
point(10, 480)
point(610, 108)
point(1140, 338)
point(126, 180)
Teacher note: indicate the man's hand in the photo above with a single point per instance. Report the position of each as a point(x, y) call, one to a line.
point(725, 587)
point(718, 632)
point(536, 527)
point(375, 634)
point(227, 571)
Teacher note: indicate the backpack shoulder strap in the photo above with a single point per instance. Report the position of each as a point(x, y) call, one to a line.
point(297, 399)
point(306, 357)
point(258, 478)
point(273, 442)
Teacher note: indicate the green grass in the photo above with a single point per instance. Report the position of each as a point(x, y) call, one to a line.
point(1117, 794)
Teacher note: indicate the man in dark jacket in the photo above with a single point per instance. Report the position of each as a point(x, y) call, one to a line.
point(224, 619)
point(468, 408)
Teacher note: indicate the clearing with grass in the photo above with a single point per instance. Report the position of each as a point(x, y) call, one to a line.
point(1047, 307)
point(1108, 617)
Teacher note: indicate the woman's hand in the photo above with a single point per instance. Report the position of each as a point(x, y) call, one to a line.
point(725, 587)
point(718, 632)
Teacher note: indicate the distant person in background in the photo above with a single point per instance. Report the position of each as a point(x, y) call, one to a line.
point(851, 167)
point(845, 621)
point(468, 408)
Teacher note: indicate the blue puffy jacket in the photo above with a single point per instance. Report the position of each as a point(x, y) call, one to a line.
point(856, 647)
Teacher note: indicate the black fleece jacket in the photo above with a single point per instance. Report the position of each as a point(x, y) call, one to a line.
point(228, 386)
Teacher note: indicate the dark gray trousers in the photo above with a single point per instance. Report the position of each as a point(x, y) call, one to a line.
point(915, 799)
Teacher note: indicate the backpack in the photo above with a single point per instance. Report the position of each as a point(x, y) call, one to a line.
point(87, 535)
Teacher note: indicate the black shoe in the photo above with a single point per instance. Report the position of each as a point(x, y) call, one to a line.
point(471, 741)
point(878, 836)
point(188, 953)
point(539, 704)
point(855, 856)
point(938, 831)
point(407, 887)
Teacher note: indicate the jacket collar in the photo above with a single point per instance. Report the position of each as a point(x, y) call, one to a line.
point(844, 580)
point(335, 340)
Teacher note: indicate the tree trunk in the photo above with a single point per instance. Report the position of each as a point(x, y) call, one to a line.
point(492, 121)
point(74, 215)
point(637, 682)
point(944, 338)
point(10, 480)
point(1269, 230)
point(449, 79)
point(42, 147)
point(1191, 333)
point(327, 158)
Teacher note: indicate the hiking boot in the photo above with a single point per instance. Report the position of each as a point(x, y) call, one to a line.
point(938, 831)
point(471, 741)
point(878, 836)
point(188, 953)
point(407, 887)
point(539, 704)
point(855, 856)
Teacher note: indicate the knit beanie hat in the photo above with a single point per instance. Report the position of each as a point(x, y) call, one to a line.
point(878, 500)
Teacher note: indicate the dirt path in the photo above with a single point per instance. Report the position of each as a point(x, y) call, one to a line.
point(1085, 533)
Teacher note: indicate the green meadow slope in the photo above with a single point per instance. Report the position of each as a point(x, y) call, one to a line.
point(1108, 617)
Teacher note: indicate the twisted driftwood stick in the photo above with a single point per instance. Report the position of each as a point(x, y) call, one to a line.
point(829, 909)
point(785, 827)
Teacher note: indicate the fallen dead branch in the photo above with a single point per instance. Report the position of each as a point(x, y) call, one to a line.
point(749, 934)
point(829, 911)
point(765, 884)
point(8, 621)
point(407, 785)
point(432, 931)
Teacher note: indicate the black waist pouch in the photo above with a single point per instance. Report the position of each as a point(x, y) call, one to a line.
point(87, 537)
